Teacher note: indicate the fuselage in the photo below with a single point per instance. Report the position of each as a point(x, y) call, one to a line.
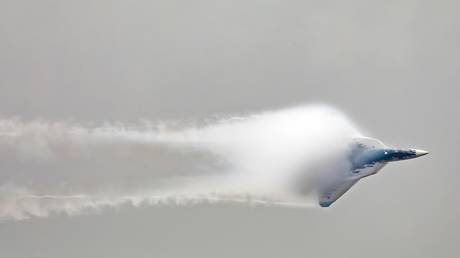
point(366, 161)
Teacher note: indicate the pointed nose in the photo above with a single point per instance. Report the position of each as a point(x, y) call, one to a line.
point(419, 153)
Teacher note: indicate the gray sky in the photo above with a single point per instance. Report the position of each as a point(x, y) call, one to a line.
point(392, 66)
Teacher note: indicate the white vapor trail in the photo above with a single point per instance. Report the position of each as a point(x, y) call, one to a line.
point(48, 168)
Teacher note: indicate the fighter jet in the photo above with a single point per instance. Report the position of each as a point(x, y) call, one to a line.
point(367, 156)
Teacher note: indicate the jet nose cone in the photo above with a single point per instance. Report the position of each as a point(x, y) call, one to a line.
point(419, 153)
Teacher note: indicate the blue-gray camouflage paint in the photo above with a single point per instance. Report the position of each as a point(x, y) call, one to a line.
point(363, 156)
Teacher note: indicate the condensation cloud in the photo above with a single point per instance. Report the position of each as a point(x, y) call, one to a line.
point(61, 167)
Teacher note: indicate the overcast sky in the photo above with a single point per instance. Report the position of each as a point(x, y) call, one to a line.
point(392, 66)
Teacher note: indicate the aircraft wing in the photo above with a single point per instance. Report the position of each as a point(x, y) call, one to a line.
point(334, 189)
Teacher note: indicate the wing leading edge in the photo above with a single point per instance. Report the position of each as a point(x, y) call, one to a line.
point(333, 191)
